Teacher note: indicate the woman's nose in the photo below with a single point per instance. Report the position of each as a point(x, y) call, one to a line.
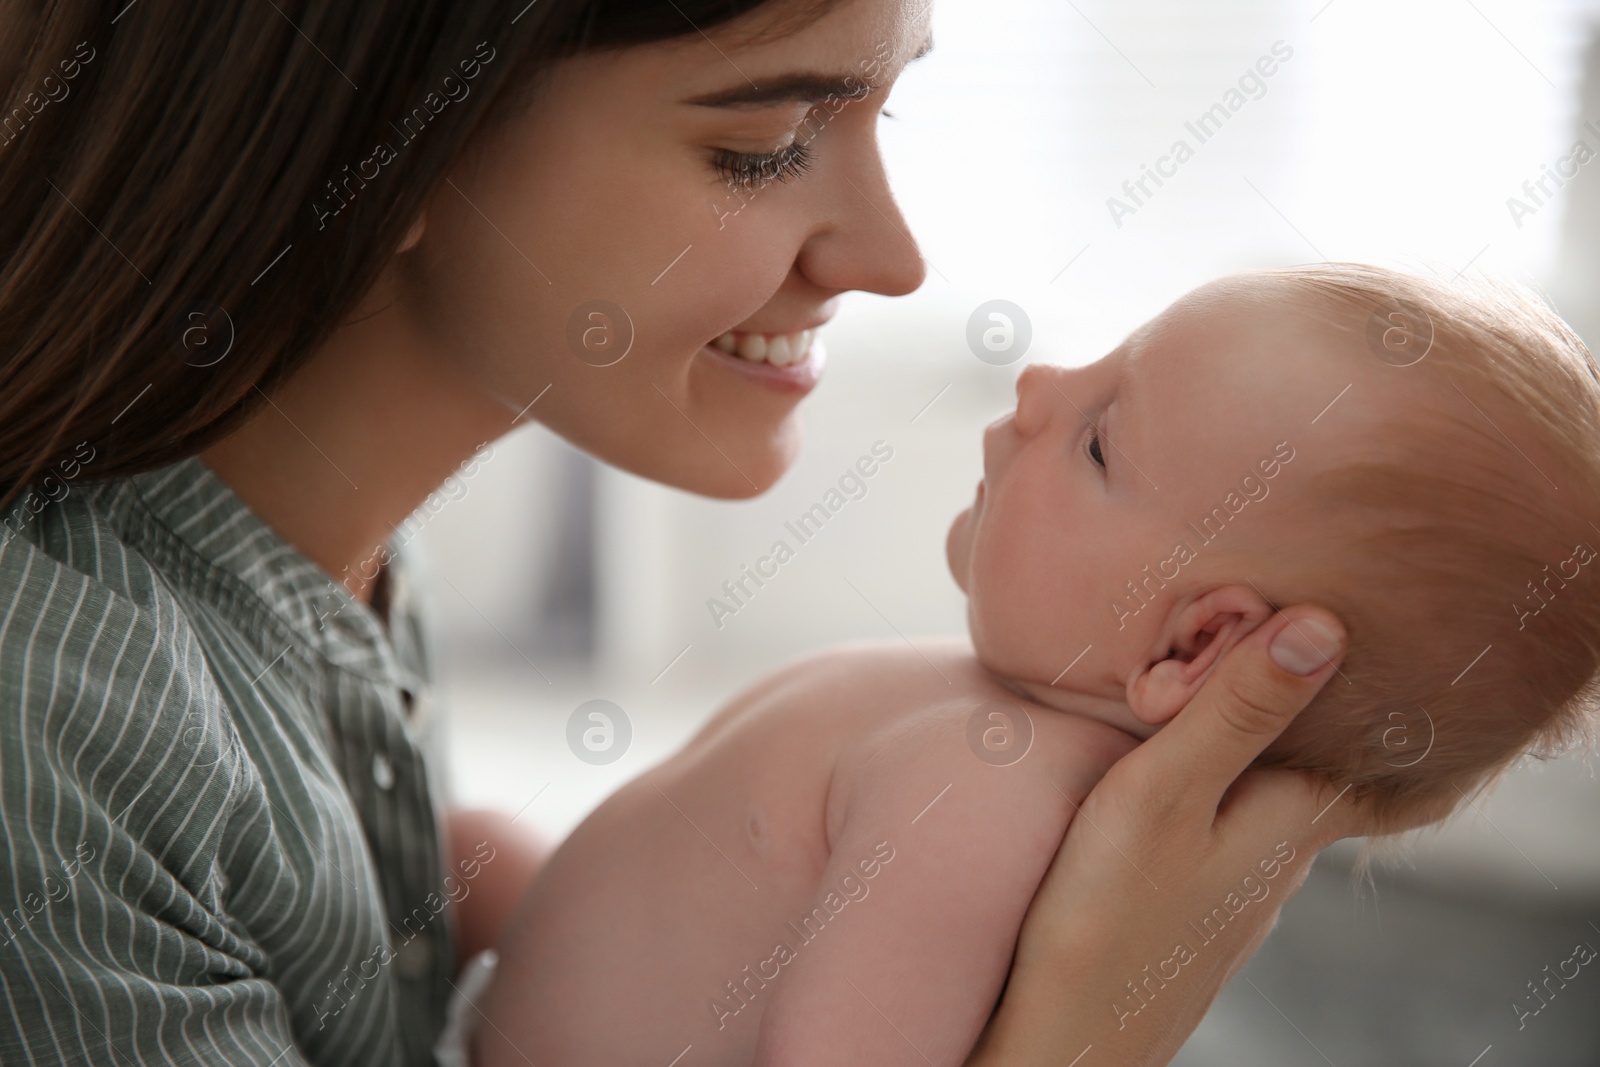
point(867, 244)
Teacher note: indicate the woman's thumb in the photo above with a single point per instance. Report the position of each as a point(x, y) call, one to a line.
point(1251, 697)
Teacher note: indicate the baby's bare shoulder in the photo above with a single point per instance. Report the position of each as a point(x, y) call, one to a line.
point(945, 661)
point(1002, 753)
point(984, 729)
point(829, 698)
point(871, 678)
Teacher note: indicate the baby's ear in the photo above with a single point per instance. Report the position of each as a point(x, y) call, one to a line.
point(1196, 635)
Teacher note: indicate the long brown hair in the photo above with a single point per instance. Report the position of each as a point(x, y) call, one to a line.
point(196, 193)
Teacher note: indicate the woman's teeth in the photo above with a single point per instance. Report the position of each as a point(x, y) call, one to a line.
point(779, 349)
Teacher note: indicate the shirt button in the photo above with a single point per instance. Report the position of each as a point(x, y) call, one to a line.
point(383, 772)
point(414, 958)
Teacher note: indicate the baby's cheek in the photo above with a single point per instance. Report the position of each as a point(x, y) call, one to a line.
point(1034, 615)
point(1002, 624)
point(1027, 584)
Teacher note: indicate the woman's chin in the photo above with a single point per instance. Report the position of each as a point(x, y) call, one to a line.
point(739, 470)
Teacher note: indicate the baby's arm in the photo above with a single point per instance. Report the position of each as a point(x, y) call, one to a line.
point(909, 972)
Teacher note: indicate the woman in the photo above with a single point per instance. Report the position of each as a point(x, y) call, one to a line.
point(272, 271)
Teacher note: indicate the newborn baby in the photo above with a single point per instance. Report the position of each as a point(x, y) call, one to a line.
point(834, 870)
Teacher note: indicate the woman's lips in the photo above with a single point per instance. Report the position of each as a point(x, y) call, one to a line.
point(799, 373)
point(779, 349)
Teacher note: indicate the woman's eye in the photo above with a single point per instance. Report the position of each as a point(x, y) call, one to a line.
point(1094, 447)
point(749, 172)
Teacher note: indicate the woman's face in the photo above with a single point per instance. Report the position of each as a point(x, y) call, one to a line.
point(650, 201)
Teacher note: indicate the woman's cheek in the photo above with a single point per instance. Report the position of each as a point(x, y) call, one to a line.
point(751, 257)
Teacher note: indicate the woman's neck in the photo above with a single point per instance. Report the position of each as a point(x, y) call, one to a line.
point(355, 441)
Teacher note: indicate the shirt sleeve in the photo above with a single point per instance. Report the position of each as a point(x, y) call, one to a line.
point(125, 800)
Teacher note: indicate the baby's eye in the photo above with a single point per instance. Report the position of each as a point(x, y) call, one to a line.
point(1094, 447)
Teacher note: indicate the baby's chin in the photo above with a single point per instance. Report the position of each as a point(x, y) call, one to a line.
point(958, 548)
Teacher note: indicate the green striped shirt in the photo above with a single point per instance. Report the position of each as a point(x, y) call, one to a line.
point(221, 845)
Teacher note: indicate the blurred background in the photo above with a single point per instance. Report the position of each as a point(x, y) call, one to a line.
point(1396, 132)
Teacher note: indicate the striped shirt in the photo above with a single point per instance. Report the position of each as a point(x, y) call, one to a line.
point(221, 845)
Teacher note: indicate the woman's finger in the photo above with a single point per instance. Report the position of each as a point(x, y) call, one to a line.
point(1253, 694)
point(1301, 806)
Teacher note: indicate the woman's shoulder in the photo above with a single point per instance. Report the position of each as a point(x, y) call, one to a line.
point(70, 549)
point(90, 630)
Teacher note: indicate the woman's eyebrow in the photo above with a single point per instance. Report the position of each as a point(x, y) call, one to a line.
point(796, 88)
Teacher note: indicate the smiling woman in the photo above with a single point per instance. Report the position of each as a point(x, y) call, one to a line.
point(298, 67)
point(229, 741)
point(640, 221)
point(384, 218)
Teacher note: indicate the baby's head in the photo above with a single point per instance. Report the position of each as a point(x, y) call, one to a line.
point(1422, 460)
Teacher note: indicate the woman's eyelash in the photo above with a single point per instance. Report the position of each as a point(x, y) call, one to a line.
point(749, 172)
point(1093, 449)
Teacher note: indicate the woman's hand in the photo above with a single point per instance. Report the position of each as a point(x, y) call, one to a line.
point(505, 859)
point(1175, 867)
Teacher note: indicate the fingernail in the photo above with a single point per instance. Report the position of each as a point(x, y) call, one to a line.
point(1305, 646)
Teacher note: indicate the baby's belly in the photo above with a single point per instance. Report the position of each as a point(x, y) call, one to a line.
point(655, 932)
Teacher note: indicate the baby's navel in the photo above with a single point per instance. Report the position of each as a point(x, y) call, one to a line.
point(756, 828)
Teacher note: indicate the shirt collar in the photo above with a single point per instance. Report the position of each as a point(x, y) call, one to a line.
point(202, 511)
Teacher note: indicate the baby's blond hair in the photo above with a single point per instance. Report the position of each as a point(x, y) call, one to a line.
point(1458, 548)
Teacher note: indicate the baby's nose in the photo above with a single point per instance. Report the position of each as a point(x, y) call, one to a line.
point(1037, 397)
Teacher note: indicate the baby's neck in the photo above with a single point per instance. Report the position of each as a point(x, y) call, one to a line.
point(1075, 702)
